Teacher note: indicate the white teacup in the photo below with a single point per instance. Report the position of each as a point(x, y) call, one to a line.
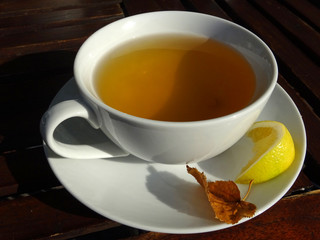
point(161, 141)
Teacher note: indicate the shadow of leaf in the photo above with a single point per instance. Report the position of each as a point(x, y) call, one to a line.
point(179, 194)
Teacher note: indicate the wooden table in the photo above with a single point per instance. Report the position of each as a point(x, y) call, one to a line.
point(38, 43)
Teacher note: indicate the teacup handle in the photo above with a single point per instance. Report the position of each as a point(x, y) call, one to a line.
point(66, 110)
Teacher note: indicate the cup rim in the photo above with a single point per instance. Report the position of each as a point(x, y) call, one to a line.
point(139, 120)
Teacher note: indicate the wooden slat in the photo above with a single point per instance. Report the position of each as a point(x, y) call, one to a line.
point(58, 25)
point(301, 184)
point(133, 7)
point(64, 38)
point(25, 171)
point(18, 7)
point(8, 184)
point(290, 219)
point(25, 135)
point(29, 84)
point(48, 215)
point(169, 4)
point(311, 120)
point(298, 30)
point(310, 12)
point(47, 40)
point(56, 18)
point(293, 61)
point(209, 7)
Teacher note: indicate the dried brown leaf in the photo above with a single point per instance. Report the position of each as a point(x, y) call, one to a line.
point(224, 198)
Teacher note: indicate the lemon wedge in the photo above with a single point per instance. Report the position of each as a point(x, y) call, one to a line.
point(273, 150)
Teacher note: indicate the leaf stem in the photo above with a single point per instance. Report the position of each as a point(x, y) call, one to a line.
point(249, 188)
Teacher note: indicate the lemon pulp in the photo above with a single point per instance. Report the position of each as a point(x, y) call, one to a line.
point(273, 152)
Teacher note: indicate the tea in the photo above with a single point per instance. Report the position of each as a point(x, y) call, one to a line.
point(175, 78)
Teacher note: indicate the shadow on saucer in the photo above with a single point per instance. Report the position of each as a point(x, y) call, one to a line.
point(185, 197)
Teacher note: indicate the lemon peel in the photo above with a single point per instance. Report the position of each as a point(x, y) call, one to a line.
point(273, 150)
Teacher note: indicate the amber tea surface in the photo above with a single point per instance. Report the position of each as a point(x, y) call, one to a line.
point(175, 78)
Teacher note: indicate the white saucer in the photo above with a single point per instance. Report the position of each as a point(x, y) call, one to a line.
point(165, 198)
